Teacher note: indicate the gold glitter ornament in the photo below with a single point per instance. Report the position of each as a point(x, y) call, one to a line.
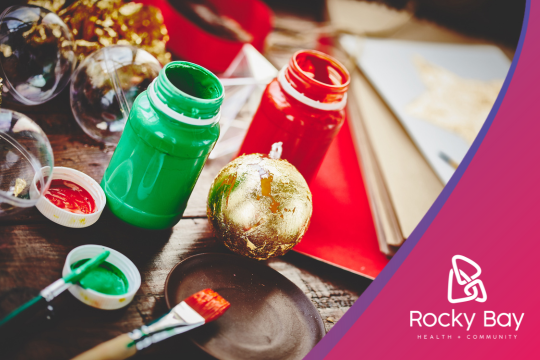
point(259, 206)
point(98, 23)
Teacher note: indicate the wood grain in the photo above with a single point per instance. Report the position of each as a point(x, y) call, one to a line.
point(32, 256)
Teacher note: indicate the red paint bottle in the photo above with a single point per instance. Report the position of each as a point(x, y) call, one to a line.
point(304, 108)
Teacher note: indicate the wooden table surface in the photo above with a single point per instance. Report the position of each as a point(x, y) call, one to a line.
point(33, 251)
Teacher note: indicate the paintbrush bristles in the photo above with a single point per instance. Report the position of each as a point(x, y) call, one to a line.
point(208, 303)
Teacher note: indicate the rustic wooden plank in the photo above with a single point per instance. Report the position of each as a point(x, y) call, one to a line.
point(32, 256)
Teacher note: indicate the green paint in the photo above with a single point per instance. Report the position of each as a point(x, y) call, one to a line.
point(193, 81)
point(158, 160)
point(89, 264)
point(106, 278)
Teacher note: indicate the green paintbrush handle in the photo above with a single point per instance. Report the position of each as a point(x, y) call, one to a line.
point(21, 315)
point(77, 274)
point(31, 308)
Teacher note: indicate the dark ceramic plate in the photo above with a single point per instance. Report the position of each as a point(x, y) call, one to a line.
point(269, 317)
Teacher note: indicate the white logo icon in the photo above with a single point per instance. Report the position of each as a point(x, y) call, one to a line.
point(471, 283)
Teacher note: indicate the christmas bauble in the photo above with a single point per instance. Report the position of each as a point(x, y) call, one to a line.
point(259, 206)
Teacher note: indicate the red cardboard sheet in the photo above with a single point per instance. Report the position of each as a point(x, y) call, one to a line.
point(342, 232)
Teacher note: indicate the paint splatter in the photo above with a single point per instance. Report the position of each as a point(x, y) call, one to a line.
point(229, 181)
point(266, 186)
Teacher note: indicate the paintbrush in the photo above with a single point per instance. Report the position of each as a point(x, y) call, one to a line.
point(25, 312)
point(448, 160)
point(196, 310)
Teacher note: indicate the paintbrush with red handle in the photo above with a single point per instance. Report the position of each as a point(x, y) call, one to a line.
point(196, 310)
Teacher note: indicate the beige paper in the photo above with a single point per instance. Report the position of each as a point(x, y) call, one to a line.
point(451, 102)
point(411, 184)
point(386, 225)
point(401, 184)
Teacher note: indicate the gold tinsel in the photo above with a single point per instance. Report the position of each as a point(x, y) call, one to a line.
point(260, 207)
point(98, 23)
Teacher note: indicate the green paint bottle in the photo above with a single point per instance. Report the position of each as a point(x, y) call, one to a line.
point(172, 128)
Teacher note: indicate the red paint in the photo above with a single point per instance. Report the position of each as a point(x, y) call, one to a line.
point(318, 76)
point(208, 303)
point(306, 132)
point(69, 196)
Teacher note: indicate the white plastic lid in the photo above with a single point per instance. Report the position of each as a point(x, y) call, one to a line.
point(64, 217)
point(97, 299)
